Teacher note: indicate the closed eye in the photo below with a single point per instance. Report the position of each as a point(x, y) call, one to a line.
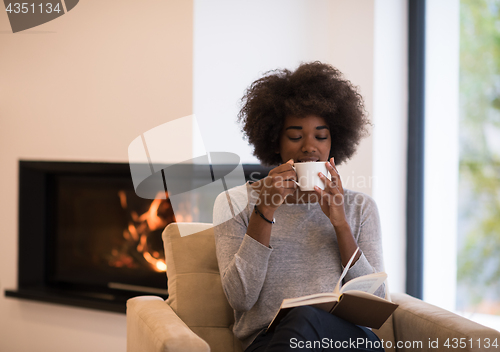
point(321, 138)
point(294, 139)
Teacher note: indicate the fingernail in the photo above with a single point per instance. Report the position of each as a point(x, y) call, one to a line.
point(290, 161)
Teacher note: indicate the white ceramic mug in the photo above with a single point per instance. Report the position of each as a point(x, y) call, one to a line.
point(307, 174)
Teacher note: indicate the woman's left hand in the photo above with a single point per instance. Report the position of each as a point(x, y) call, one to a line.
point(331, 199)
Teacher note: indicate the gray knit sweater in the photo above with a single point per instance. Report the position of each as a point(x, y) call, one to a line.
point(303, 257)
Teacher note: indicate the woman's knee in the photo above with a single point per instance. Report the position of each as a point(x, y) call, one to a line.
point(307, 318)
point(304, 314)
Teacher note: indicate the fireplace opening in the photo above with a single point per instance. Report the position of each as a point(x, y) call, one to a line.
point(105, 235)
point(86, 239)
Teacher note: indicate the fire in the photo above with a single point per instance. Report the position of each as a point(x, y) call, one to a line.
point(137, 236)
point(156, 264)
point(161, 266)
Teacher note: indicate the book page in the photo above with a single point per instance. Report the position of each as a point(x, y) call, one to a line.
point(368, 283)
point(310, 299)
point(339, 283)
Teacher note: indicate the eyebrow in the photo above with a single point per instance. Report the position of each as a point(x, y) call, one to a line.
point(300, 127)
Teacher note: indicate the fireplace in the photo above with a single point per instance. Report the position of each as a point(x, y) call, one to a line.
point(86, 239)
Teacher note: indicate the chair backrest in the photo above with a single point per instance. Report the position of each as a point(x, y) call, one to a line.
point(194, 285)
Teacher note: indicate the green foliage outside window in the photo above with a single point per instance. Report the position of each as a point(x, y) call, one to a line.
point(479, 178)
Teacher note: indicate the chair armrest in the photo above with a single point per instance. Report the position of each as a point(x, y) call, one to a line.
point(152, 326)
point(416, 320)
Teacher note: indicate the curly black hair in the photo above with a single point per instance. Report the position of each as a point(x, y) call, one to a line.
point(312, 89)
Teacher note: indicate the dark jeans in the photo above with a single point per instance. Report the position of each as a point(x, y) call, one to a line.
point(312, 329)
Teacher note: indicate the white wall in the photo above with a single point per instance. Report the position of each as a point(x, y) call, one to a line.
point(82, 87)
point(235, 42)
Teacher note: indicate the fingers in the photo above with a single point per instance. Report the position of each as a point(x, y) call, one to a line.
point(286, 167)
point(284, 175)
point(282, 183)
point(333, 196)
point(332, 164)
point(287, 184)
point(332, 169)
point(289, 175)
point(335, 175)
point(275, 190)
point(330, 185)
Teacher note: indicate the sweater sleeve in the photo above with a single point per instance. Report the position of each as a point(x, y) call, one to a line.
point(242, 260)
point(369, 240)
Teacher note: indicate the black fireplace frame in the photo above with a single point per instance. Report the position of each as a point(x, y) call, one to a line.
point(34, 236)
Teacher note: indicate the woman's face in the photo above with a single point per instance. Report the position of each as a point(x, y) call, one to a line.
point(305, 139)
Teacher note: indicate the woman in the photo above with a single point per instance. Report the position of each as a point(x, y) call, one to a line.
point(288, 243)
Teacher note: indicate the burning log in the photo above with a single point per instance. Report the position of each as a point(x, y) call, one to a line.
point(143, 245)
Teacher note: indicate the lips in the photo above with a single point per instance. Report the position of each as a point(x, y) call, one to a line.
point(305, 160)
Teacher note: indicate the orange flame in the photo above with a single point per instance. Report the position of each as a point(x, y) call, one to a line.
point(140, 227)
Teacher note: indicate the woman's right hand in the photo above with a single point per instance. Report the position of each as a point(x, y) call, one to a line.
point(277, 186)
point(272, 193)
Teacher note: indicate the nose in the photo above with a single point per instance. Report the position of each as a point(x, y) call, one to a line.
point(309, 145)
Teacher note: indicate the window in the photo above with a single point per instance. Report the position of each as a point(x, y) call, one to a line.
point(478, 235)
point(462, 158)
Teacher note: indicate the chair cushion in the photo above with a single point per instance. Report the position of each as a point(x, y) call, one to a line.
point(152, 326)
point(194, 284)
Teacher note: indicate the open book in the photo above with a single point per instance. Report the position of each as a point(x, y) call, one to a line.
point(354, 302)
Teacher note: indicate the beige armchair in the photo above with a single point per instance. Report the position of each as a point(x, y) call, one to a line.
point(197, 317)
